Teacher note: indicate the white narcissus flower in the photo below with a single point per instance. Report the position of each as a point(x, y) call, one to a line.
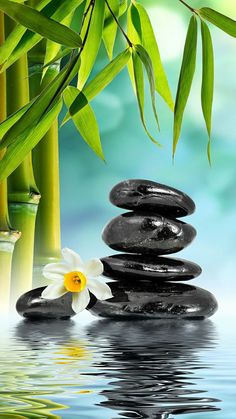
point(75, 276)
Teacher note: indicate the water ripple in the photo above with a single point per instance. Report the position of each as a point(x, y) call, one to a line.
point(108, 369)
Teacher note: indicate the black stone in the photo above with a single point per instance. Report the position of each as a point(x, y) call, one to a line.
point(32, 306)
point(147, 233)
point(170, 301)
point(148, 267)
point(146, 195)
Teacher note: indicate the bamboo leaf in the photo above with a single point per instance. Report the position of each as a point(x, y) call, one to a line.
point(42, 103)
point(35, 21)
point(123, 7)
point(110, 26)
point(21, 40)
point(94, 37)
point(100, 81)
point(15, 36)
point(18, 150)
point(55, 52)
point(207, 79)
point(146, 60)
point(12, 119)
point(56, 58)
point(134, 38)
point(223, 22)
point(145, 36)
point(85, 120)
point(185, 79)
point(139, 87)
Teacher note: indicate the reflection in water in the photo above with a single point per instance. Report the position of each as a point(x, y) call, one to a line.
point(153, 363)
point(107, 370)
point(38, 366)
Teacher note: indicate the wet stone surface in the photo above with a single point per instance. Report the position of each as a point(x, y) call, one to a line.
point(179, 301)
point(147, 233)
point(146, 195)
point(127, 267)
point(32, 306)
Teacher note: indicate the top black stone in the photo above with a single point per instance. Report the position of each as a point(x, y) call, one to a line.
point(139, 194)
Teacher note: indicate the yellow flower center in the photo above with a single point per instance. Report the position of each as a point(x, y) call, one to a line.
point(75, 281)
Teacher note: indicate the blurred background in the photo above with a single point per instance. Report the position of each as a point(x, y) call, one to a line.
point(86, 181)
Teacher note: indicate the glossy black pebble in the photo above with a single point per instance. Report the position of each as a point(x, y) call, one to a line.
point(145, 267)
point(146, 195)
point(31, 305)
point(147, 233)
point(171, 301)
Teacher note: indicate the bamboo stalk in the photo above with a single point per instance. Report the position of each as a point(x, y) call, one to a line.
point(46, 168)
point(4, 218)
point(8, 237)
point(23, 194)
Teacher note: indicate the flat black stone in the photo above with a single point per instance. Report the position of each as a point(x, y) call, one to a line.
point(32, 306)
point(146, 195)
point(147, 233)
point(148, 267)
point(170, 301)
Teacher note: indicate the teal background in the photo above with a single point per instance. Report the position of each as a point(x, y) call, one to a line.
point(86, 181)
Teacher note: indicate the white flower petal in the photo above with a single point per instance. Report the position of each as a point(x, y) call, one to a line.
point(80, 300)
point(72, 258)
point(58, 268)
point(52, 275)
point(100, 289)
point(93, 267)
point(54, 291)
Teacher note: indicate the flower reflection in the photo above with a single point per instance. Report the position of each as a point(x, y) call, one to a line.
point(72, 352)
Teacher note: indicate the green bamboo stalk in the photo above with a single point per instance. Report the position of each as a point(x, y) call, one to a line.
point(8, 237)
point(23, 193)
point(46, 169)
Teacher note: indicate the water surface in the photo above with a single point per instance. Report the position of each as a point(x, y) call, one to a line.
point(108, 369)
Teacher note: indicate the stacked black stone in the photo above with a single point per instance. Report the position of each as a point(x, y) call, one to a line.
point(142, 286)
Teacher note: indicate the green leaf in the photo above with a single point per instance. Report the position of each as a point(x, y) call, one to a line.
point(123, 7)
point(185, 79)
point(56, 58)
point(42, 103)
point(146, 37)
point(100, 81)
point(12, 119)
point(139, 87)
point(110, 26)
point(85, 120)
point(55, 52)
point(18, 150)
point(207, 79)
point(134, 38)
point(21, 40)
point(146, 60)
point(94, 37)
point(223, 22)
point(35, 21)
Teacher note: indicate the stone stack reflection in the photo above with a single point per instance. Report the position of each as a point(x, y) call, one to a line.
point(146, 283)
